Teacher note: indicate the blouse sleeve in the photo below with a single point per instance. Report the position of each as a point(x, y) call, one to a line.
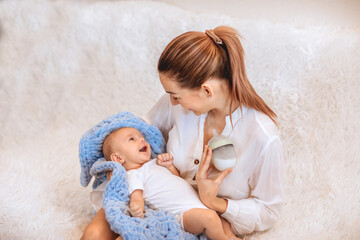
point(160, 115)
point(262, 209)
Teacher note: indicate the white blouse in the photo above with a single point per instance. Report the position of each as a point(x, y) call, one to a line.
point(254, 188)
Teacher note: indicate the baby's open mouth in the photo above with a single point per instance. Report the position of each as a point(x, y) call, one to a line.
point(143, 149)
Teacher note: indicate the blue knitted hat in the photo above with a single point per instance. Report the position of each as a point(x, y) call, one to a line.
point(90, 147)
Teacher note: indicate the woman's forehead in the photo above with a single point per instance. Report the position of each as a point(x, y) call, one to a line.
point(171, 86)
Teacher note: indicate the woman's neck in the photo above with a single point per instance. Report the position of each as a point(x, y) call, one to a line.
point(222, 106)
point(216, 118)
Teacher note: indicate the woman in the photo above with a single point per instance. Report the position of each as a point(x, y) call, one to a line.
point(207, 88)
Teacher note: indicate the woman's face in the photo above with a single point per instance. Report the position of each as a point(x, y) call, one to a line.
point(193, 100)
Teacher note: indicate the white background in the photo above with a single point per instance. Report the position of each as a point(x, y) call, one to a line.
point(296, 12)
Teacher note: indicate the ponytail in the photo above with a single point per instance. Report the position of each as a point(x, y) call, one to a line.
point(194, 57)
point(241, 88)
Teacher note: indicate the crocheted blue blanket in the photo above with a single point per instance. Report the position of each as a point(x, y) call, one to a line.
point(156, 224)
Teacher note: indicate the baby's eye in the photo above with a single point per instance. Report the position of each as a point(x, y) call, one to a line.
point(131, 139)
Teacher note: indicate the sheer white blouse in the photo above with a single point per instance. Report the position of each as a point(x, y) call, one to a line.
point(254, 188)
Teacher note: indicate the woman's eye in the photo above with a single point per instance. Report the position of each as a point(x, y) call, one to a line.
point(175, 98)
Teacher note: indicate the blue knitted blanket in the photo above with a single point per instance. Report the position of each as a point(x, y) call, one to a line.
point(156, 224)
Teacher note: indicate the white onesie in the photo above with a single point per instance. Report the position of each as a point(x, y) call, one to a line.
point(163, 190)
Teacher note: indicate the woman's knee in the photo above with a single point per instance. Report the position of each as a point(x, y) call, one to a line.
point(93, 232)
point(97, 232)
point(98, 228)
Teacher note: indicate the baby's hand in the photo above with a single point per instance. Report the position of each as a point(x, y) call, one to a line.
point(135, 210)
point(165, 160)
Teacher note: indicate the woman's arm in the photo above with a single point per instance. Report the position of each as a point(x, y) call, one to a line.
point(208, 188)
point(262, 209)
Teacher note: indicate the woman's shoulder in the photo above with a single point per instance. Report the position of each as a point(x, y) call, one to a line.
point(259, 126)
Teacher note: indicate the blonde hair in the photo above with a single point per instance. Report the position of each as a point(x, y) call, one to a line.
point(194, 57)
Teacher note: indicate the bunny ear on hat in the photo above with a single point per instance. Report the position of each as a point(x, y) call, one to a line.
point(90, 147)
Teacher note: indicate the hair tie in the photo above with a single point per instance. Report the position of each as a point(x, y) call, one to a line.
point(213, 36)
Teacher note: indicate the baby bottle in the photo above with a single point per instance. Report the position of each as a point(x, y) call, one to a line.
point(223, 152)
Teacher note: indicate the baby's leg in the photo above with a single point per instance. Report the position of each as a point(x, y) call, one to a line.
point(198, 220)
point(227, 229)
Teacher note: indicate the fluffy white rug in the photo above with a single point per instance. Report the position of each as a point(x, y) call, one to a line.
point(64, 66)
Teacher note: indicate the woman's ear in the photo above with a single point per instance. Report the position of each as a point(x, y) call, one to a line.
point(117, 158)
point(207, 89)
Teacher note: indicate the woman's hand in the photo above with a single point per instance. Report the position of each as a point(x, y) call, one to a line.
point(208, 188)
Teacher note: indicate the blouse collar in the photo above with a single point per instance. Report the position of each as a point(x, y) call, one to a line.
point(236, 115)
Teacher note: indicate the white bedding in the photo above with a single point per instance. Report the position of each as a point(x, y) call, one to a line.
point(65, 66)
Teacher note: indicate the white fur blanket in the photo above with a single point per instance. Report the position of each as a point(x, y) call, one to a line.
point(65, 66)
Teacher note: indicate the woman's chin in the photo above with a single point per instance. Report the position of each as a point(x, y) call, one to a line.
point(195, 112)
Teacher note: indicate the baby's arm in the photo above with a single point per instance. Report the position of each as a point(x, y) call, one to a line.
point(166, 160)
point(137, 205)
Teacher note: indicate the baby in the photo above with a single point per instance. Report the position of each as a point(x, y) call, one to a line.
point(157, 182)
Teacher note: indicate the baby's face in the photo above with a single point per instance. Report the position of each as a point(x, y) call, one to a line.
point(131, 144)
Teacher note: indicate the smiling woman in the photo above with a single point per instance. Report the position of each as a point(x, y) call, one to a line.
point(204, 61)
point(205, 73)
